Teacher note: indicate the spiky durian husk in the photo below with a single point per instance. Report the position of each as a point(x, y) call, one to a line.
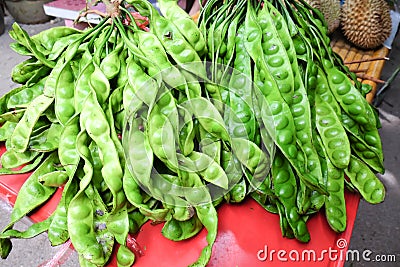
point(314, 3)
point(331, 11)
point(366, 23)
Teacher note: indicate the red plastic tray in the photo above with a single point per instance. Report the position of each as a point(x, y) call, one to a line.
point(247, 236)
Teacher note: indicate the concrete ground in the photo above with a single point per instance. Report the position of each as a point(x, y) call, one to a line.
point(376, 228)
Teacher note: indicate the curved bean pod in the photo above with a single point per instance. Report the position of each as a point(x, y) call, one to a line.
point(48, 140)
point(67, 151)
point(125, 257)
point(181, 230)
point(333, 135)
point(208, 217)
point(349, 98)
point(6, 130)
point(58, 229)
point(54, 179)
point(185, 24)
point(276, 58)
point(81, 212)
point(95, 122)
point(365, 181)
point(33, 190)
point(285, 188)
point(20, 137)
point(32, 231)
point(335, 205)
point(11, 159)
point(23, 98)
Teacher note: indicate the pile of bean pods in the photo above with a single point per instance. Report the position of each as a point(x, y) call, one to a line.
point(150, 115)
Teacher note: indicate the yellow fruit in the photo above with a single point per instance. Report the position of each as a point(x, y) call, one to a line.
point(366, 23)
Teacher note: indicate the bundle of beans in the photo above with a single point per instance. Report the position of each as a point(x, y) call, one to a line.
point(150, 116)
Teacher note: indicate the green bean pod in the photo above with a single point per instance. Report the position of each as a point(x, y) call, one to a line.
point(82, 87)
point(285, 188)
point(186, 131)
point(118, 225)
point(276, 58)
point(58, 229)
point(136, 220)
point(115, 105)
point(33, 190)
point(155, 53)
point(26, 168)
point(181, 230)
point(253, 158)
point(99, 83)
point(208, 217)
point(111, 64)
point(333, 135)
point(12, 159)
point(5, 98)
point(81, 230)
point(48, 140)
point(365, 143)
point(365, 181)
point(335, 205)
point(22, 37)
point(54, 179)
point(209, 117)
point(125, 257)
point(67, 151)
point(24, 71)
point(51, 81)
point(97, 165)
point(134, 195)
point(324, 91)
point(13, 115)
point(139, 155)
point(141, 84)
point(349, 98)
point(122, 77)
point(185, 24)
point(81, 212)
point(159, 130)
point(23, 98)
point(209, 170)
point(48, 38)
point(21, 49)
point(283, 221)
point(241, 85)
point(95, 122)
point(32, 231)
point(209, 144)
point(300, 106)
point(61, 44)
point(23, 130)
point(6, 130)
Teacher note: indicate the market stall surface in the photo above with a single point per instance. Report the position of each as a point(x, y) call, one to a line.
point(376, 231)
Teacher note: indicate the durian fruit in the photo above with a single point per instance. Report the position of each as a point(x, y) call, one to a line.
point(366, 23)
point(331, 11)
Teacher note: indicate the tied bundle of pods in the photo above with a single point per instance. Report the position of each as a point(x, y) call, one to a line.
point(150, 116)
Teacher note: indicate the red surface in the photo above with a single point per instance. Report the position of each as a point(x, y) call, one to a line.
point(245, 230)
